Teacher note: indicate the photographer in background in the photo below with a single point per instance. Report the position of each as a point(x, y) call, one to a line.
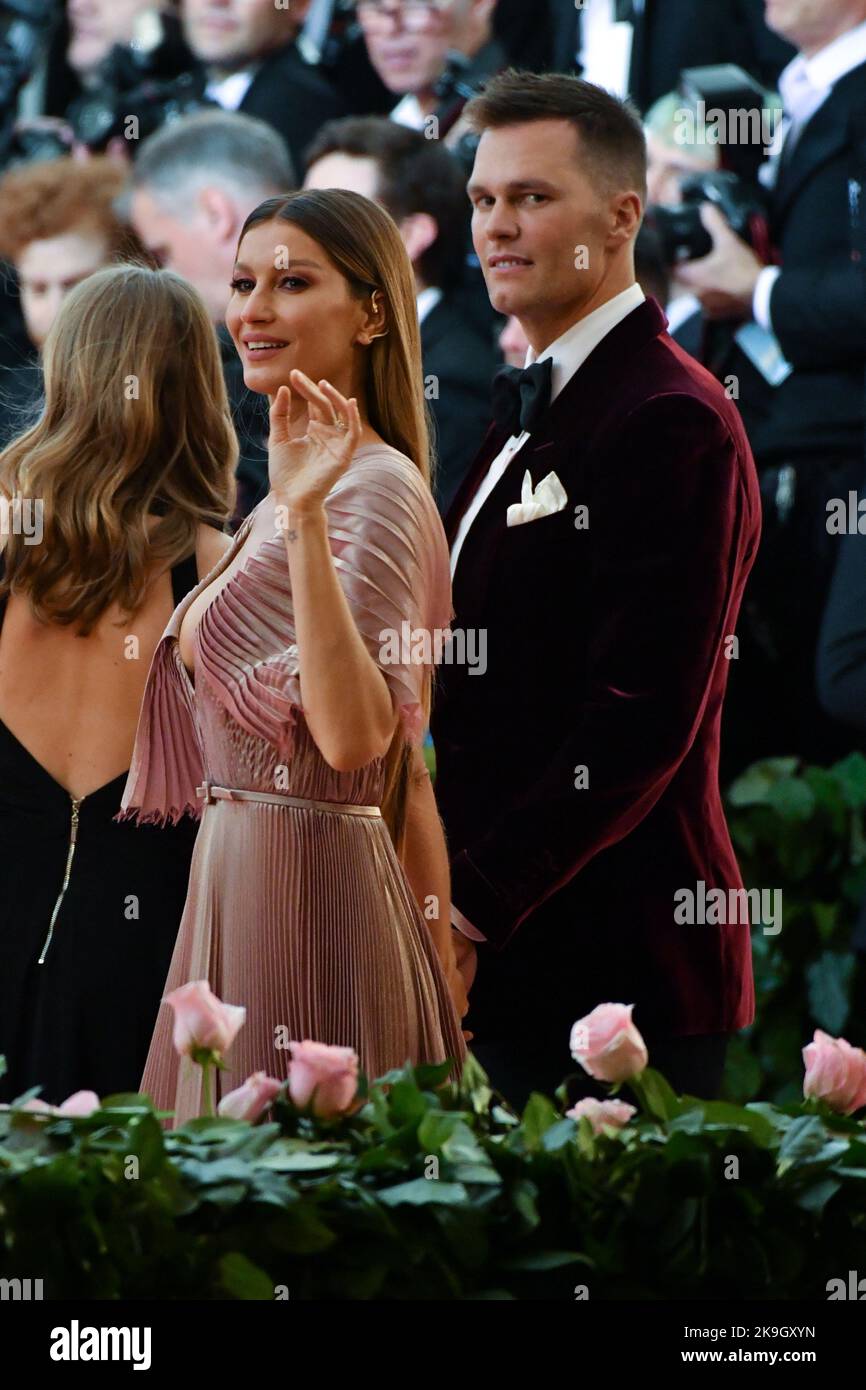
point(86, 33)
point(671, 160)
point(412, 46)
point(107, 60)
point(249, 52)
point(799, 377)
point(193, 184)
point(424, 189)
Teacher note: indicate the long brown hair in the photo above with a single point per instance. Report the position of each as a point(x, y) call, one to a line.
point(136, 422)
point(362, 241)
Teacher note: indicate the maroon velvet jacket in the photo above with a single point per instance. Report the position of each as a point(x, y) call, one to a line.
point(605, 650)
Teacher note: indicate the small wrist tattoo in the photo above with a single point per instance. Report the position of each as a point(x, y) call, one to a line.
point(291, 535)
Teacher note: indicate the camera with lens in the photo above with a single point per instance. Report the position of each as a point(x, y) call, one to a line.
point(729, 94)
point(150, 81)
point(460, 81)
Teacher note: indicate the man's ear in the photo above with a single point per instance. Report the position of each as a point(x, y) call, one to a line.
point(626, 212)
point(419, 231)
point(220, 213)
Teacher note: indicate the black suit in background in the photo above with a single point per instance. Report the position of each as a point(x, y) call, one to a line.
point(807, 437)
point(293, 98)
point(841, 680)
point(464, 361)
point(674, 34)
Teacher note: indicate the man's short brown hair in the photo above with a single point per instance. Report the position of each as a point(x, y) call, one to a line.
point(610, 132)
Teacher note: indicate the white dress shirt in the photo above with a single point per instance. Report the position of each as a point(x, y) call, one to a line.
point(230, 91)
point(805, 85)
point(426, 301)
point(605, 47)
point(408, 112)
point(568, 352)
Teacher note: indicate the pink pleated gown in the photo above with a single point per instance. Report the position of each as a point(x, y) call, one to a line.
point(303, 916)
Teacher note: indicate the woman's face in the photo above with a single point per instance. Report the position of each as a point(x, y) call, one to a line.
point(49, 268)
point(290, 307)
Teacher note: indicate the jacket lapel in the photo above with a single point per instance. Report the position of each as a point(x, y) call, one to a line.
point(824, 136)
point(565, 429)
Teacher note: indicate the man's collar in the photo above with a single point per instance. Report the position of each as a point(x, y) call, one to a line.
point(571, 349)
point(825, 68)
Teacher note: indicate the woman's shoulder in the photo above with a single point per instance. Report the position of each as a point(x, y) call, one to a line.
point(210, 547)
point(379, 464)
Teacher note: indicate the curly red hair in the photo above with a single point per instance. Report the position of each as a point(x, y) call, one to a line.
point(51, 196)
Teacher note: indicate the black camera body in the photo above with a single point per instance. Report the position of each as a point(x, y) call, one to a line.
point(147, 86)
point(680, 229)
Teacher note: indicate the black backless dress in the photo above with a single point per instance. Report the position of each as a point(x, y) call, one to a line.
point(89, 911)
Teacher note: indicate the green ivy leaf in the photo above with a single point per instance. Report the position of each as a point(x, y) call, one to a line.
point(828, 982)
point(420, 1192)
point(754, 786)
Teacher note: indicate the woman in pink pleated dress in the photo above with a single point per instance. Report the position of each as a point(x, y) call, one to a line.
point(288, 696)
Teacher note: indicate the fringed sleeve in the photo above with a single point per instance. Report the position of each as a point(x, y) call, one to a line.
point(166, 763)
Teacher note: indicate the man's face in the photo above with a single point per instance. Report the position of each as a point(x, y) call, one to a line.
point(188, 245)
point(811, 24)
point(668, 165)
point(356, 173)
point(49, 268)
point(96, 25)
point(231, 33)
point(540, 226)
point(409, 52)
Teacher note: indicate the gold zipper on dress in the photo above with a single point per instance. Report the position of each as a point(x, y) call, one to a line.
point(70, 854)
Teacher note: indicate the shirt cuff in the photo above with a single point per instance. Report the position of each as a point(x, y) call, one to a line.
point(761, 297)
point(460, 922)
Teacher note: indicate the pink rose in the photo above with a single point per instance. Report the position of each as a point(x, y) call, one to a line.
point(326, 1075)
point(607, 1044)
point(611, 1114)
point(835, 1072)
point(202, 1020)
point(80, 1103)
point(250, 1101)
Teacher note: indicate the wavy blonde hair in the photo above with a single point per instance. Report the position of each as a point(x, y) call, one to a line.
point(136, 422)
point(362, 241)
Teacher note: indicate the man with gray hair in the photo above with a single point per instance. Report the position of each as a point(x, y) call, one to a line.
point(193, 184)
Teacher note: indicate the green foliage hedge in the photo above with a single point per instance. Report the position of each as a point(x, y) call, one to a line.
point(800, 829)
point(430, 1191)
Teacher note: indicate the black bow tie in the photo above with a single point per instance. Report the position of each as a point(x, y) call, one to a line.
point(520, 398)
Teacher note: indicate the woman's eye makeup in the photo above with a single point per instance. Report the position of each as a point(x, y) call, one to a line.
point(242, 283)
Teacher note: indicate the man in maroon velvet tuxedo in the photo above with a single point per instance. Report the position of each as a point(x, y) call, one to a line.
point(578, 775)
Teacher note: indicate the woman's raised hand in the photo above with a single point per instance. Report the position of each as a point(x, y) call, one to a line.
point(303, 470)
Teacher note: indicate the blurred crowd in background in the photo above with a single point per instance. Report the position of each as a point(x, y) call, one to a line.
point(135, 129)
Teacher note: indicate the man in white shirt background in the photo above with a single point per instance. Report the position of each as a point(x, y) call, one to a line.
point(249, 51)
point(409, 42)
point(801, 392)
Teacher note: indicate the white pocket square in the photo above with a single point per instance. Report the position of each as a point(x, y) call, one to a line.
point(549, 497)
